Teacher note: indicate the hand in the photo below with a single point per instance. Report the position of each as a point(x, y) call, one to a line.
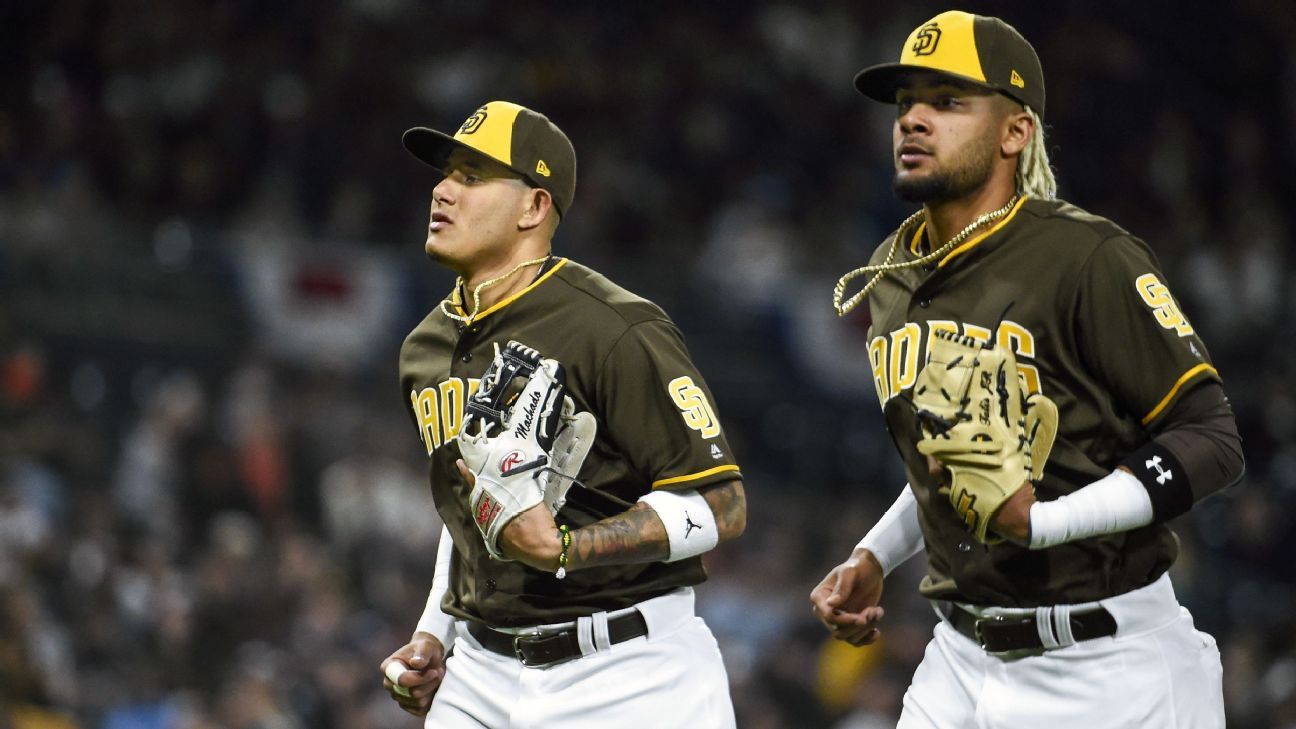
point(1011, 520)
point(425, 657)
point(846, 601)
point(531, 537)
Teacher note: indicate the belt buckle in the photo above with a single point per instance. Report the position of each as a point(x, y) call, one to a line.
point(980, 622)
point(521, 656)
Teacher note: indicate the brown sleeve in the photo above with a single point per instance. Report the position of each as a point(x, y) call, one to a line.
point(1132, 333)
point(659, 410)
point(1195, 452)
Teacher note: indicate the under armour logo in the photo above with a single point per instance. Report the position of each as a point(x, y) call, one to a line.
point(1163, 475)
point(689, 525)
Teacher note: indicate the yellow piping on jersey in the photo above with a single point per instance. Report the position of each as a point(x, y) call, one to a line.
point(1183, 380)
point(693, 476)
point(917, 237)
point(514, 297)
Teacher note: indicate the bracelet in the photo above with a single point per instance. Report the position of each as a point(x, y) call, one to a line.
point(565, 534)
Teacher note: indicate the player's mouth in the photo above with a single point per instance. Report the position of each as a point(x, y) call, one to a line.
point(911, 154)
point(439, 221)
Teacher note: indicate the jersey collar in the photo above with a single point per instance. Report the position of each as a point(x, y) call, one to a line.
point(970, 243)
point(457, 302)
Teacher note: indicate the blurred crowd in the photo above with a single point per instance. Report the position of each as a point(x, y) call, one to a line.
point(213, 508)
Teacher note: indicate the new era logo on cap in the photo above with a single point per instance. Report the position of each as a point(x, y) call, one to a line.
point(512, 135)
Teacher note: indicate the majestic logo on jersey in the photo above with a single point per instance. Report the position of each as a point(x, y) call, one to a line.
point(897, 357)
point(693, 405)
point(1157, 296)
point(716, 453)
point(473, 122)
point(925, 40)
point(1163, 474)
point(510, 461)
point(439, 410)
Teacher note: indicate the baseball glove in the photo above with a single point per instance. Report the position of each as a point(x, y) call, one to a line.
point(522, 439)
point(978, 420)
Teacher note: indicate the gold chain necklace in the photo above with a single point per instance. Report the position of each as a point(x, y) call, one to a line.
point(879, 270)
point(476, 294)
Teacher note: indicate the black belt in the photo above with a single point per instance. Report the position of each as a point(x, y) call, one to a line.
point(1002, 634)
point(546, 650)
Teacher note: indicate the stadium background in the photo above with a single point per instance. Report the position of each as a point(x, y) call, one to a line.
point(212, 504)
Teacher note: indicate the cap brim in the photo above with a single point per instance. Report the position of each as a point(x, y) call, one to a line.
point(434, 148)
point(880, 82)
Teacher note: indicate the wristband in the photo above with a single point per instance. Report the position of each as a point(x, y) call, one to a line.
point(1165, 479)
point(690, 524)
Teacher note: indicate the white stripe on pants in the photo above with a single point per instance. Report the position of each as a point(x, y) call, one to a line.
point(1157, 672)
point(674, 677)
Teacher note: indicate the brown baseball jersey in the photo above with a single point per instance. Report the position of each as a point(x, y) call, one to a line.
point(1085, 307)
point(626, 363)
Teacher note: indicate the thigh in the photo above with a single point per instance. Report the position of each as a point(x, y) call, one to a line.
point(477, 687)
point(1165, 679)
point(944, 690)
point(676, 678)
point(1192, 660)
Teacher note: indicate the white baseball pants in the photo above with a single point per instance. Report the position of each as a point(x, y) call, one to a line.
point(673, 677)
point(1156, 672)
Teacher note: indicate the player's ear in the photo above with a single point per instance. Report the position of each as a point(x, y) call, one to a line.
point(1018, 129)
point(539, 208)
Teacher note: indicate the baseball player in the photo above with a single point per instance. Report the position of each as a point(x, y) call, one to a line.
point(1047, 567)
point(580, 614)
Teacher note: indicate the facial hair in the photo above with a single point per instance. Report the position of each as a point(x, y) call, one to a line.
point(965, 173)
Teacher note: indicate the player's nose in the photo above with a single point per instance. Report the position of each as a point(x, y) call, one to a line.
point(914, 119)
point(444, 192)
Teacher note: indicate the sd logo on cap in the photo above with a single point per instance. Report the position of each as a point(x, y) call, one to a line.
point(512, 135)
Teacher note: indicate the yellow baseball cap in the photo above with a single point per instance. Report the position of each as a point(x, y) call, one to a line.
point(522, 140)
point(975, 48)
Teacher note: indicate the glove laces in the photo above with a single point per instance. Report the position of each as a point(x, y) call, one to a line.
point(881, 269)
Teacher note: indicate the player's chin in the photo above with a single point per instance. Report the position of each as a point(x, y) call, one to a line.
point(438, 248)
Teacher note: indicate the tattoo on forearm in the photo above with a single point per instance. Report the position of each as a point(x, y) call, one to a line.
point(729, 504)
point(634, 535)
point(637, 534)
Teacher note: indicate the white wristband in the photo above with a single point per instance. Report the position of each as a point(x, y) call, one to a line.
point(1115, 503)
point(896, 536)
point(434, 621)
point(690, 524)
